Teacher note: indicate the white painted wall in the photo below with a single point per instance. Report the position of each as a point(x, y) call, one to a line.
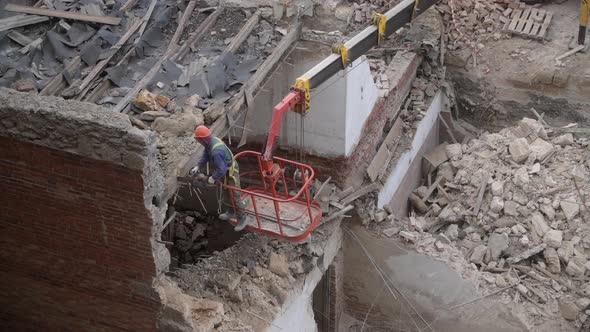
point(339, 106)
point(399, 171)
point(361, 96)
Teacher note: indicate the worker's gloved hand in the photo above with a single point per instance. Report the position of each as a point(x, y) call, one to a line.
point(211, 182)
point(194, 171)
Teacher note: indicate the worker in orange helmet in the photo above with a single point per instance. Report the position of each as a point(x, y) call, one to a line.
point(223, 168)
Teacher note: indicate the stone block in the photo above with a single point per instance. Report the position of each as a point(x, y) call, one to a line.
point(563, 140)
point(519, 149)
point(497, 244)
point(278, 264)
point(552, 260)
point(478, 254)
point(539, 225)
point(575, 270)
point(511, 208)
point(497, 204)
point(569, 310)
point(553, 238)
point(521, 177)
point(454, 151)
point(566, 251)
point(409, 236)
point(541, 148)
point(497, 188)
point(570, 208)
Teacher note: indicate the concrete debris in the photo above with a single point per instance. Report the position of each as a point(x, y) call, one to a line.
point(519, 149)
point(529, 213)
point(147, 101)
point(568, 309)
point(552, 260)
point(553, 238)
point(278, 264)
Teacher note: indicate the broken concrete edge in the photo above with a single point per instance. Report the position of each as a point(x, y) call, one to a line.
point(91, 131)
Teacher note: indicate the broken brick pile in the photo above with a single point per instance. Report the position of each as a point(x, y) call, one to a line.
point(468, 23)
point(513, 202)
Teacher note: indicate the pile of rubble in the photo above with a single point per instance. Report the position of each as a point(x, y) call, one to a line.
point(188, 233)
point(469, 23)
point(364, 9)
point(513, 202)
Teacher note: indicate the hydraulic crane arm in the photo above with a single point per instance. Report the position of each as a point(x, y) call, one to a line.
point(299, 97)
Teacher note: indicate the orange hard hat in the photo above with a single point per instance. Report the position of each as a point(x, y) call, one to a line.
point(202, 132)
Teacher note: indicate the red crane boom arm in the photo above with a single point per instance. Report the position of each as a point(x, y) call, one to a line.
point(292, 99)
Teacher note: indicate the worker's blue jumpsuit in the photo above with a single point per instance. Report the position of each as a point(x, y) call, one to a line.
point(224, 169)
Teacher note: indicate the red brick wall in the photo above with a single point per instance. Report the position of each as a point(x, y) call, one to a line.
point(75, 253)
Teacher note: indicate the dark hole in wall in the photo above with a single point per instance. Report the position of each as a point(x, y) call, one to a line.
point(193, 235)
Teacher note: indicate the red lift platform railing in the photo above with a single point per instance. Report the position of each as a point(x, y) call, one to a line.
point(279, 206)
point(280, 202)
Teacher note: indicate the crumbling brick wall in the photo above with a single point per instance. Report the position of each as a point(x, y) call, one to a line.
point(80, 213)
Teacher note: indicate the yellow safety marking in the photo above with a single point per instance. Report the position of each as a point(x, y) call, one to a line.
point(380, 21)
point(302, 83)
point(416, 3)
point(343, 51)
point(584, 6)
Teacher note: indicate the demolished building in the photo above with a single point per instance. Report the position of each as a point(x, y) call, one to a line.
point(100, 231)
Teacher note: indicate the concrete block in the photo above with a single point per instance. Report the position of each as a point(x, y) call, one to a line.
point(541, 148)
point(478, 254)
point(519, 149)
point(454, 151)
point(553, 238)
point(552, 260)
point(575, 270)
point(570, 208)
point(539, 225)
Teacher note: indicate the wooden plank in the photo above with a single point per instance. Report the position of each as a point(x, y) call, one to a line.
point(63, 14)
point(146, 18)
point(156, 67)
point(545, 26)
point(19, 38)
point(516, 14)
point(534, 14)
point(20, 21)
point(173, 46)
point(128, 5)
point(570, 52)
point(513, 23)
point(520, 25)
point(526, 13)
point(34, 44)
point(243, 34)
point(359, 193)
point(431, 189)
point(535, 29)
point(99, 67)
point(201, 30)
point(482, 190)
point(527, 28)
point(337, 205)
point(57, 83)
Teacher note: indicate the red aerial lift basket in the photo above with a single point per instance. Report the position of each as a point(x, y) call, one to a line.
point(279, 204)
